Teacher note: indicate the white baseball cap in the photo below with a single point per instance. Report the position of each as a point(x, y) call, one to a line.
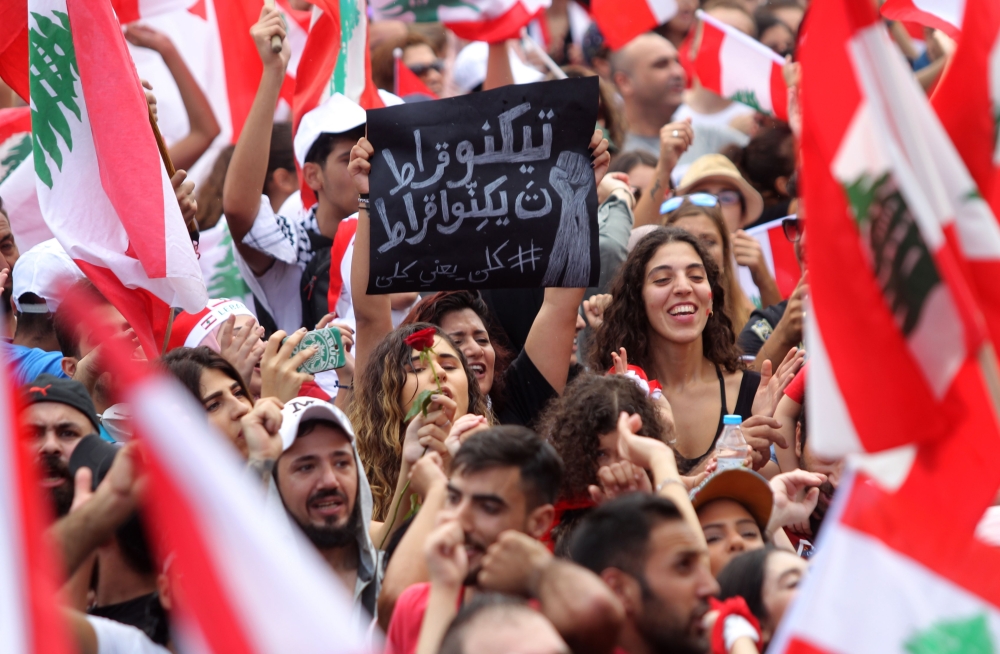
point(469, 70)
point(336, 115)
point(310, 408)
point(47, 271)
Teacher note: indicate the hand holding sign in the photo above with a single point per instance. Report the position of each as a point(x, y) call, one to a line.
point(490, 190)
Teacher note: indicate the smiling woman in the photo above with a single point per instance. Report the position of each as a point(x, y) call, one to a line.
point(668, 312)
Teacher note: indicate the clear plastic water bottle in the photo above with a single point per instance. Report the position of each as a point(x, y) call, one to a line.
point(731, 449)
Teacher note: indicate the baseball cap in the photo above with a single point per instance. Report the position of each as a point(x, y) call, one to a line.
point(336, 115)
point(310, 408)
point(190, 329)
point(741, 485)
point(46, 271)
point(469, 70)
point(49, 388)
point(718, 168)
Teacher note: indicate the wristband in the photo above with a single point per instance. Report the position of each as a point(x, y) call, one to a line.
point(363, 201)
point(734, 607)
point(669, 480)
point(736, 627)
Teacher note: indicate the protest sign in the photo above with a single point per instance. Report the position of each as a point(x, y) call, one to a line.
point(452, 209)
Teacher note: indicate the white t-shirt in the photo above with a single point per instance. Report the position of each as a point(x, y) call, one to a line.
point(117, 638)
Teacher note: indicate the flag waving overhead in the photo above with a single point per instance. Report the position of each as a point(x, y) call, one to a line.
point(622, 21)
point(738, 67)
point(15, 139)
point(30, 619)
point(101, 185)
point(492, 21)
point(129, 11)
point(944, 15)
point(14, 47)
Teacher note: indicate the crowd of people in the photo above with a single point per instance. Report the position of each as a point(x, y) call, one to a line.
point(563, 488)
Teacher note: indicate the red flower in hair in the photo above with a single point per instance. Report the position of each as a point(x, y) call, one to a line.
point(422, 340)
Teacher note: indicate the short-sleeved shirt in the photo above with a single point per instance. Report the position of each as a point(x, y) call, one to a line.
point(29, 362)
point(116, 638)
point(526, 393)
point(290, 241)
point(760, 327)
point(796, 390)
point(407, 617)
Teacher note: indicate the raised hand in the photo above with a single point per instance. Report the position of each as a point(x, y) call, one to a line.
point(425, 473)
point(594, 308)
point(675, 139)
point(618, 479)
point(242, 347)
point(444, 552)
point(464, 427)
point(428, 433)
point(184, 190)
point(796, 494)
point(279, 375)
point(772, 387)
point(271, 24)
point(147, 37)
point(360, 165)
point(599, 155)
point(261, 428)
point(513, 564)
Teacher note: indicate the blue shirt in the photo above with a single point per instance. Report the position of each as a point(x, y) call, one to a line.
point(29, 362)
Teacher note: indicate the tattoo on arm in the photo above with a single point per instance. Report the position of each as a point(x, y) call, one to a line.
point(263, 468)
point(656, 189)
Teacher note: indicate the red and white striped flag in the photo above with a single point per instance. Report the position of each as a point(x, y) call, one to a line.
point(14, 46)
point(30, 619)
point(17, 179)
point(620, 21)
point(102, 187)
point(738, 67)
point(492, 21)
point(779, 253)
point(15, 139)
point(129, 11)
point(944, 15)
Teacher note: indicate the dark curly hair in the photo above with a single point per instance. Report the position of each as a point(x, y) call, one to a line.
point(589, 408)
point(433, 308)
point(377, 414)
point(627, 325)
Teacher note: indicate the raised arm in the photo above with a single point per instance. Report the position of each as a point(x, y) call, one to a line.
point(203, 126)
point(549, 344)
point(248, 168)
point(647, 210)
point(498, 71)
point(373, 313)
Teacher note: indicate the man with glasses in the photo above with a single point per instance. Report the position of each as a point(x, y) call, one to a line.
point(776, 329)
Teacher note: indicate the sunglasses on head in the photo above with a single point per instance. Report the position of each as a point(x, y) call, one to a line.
point(792, 228)
point(421, 69)
point(697, 199)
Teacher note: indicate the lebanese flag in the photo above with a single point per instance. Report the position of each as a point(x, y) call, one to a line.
point(966, 101)
point(779, 253)
point(30, 620)
point(405, 82)
point(102, 187)
point(944, 15)
point(880, 218)
point(129, 11)
point(620, 21)
point(14, 46)
point(15, 139)
point(738, 67)
point(492, 21)
point(335, 59)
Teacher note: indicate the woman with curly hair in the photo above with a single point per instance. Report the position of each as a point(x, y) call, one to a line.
point(706, 223)
point(583, 427)
point(668, 313)
point(384, 394)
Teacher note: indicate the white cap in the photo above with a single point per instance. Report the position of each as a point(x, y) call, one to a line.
point(336, 115)
point(470, 67)
point(47, 271)
point(310, 408)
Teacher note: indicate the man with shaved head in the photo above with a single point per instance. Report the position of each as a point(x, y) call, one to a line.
point(651, 82)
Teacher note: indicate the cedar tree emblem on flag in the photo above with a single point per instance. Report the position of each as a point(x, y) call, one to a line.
point(53, 68)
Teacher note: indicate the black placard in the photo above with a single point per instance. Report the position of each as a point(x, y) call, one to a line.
point(487, 190)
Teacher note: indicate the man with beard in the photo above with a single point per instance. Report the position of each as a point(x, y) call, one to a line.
point(60, 413)
point(656, 565)
point(323, 487)
point(499, 502)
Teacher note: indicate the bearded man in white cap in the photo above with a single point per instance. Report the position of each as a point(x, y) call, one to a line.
point(323, 487)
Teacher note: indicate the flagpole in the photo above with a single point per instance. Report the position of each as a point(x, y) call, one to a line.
point(275, 40)
point(987, 358)
point(553, 67)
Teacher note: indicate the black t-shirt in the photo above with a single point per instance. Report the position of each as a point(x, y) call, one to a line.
point(526, 394)
point(743, 409)
point(759, 328)
point(144, 613)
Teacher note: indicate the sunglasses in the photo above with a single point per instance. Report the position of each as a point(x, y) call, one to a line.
point(421, 69)
point(792, 228)
point(697, 199)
